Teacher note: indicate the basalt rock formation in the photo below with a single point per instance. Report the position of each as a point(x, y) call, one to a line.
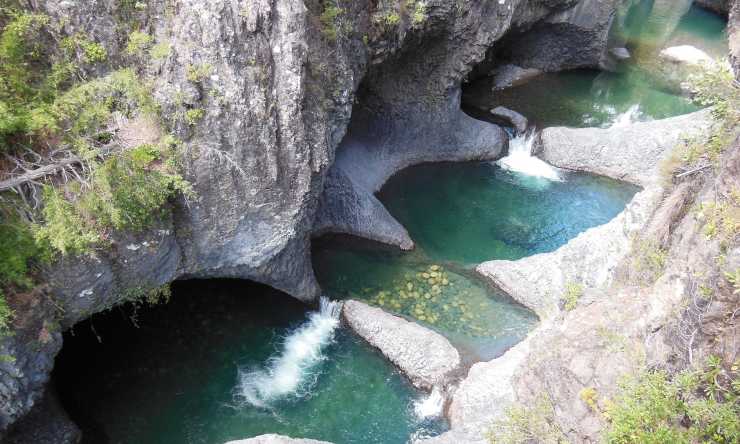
point(278, 86)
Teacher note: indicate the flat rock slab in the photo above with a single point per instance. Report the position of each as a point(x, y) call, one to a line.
point(631, 153)
point(276, 439)
point(426, 357)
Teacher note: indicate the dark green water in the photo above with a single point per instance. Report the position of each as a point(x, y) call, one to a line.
point(584, 98)
point(174, 378)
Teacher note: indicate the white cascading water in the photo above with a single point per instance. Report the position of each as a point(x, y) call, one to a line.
point(521, 160)
point(430, 406)
point(290, 372)
point(632, 115)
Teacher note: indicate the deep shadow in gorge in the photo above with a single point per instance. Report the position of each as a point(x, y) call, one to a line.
point(193, 335)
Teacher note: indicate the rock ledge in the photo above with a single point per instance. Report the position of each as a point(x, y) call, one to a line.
point(427, 358)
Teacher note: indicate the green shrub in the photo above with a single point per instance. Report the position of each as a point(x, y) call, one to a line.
point(160, 51)
point(193, 116)
point(524, 425)
point(6, 314)
point(573, 292)
point(127, 192)
point(392, 19)
point(64, 230)
point(419, 14)
point(693, 406)
point(328, 19)
point(138, 42)
point(19, 254)
point(198, 73)
point(648, 260)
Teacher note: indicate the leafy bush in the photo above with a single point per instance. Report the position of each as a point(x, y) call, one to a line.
point(573, 292)
point(33, 71)
point(138, 42)
point(127, 192)
point(524, 425)
point(648, 260)
point(713, 87)
point(328, 19)
point(693, 406)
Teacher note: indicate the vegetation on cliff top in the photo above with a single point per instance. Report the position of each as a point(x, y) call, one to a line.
point(83, 156)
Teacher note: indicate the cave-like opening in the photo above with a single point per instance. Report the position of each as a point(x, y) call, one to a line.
point(133, 369)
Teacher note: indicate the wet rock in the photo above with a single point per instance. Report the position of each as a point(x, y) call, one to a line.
point(620, 53)
point(721, 7)
point(46, 423)
point(374, 149)
point(512, 118)
point(590, 260)
point(276, 439)
point(685, 54)
point(509, 75)
point(577, 37)
point(427, 358)
point(631, 153)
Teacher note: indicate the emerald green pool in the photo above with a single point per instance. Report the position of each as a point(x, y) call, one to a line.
point(586, 98)
point(174, 378)
point(472, 212)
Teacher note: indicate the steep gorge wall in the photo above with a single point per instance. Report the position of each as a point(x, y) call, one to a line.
point(277, 96)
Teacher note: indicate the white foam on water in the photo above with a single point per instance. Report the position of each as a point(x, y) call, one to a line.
point(632, 115)
point(290, 372)
point(520, 160)
point(430, 406)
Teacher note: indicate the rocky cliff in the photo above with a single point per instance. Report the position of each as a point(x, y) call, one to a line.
point(278, 83)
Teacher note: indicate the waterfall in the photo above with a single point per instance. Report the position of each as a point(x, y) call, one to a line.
point(292, 370)
point(430, 406)
point(520, 160)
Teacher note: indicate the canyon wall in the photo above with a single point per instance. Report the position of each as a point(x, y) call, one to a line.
point(279, 81)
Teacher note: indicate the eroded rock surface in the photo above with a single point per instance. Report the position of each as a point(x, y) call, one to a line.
point(590, 260)
point(426, 357)
point(277, 96)
point(631, 153)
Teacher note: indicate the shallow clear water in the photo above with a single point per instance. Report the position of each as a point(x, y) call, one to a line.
point(473, 212)
point(173, 379)
point(441, 295)
point(585, 98)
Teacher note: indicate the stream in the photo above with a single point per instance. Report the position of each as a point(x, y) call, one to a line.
point(226, 360)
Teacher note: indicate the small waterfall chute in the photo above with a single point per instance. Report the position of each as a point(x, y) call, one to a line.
point(430, 406)
point(632, 115)
point(291, 372)
point(520, 160)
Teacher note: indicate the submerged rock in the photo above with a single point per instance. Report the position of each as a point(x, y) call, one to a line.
point(276, 439)
point(685, 54)
point(510, 118)
point(426, 357)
